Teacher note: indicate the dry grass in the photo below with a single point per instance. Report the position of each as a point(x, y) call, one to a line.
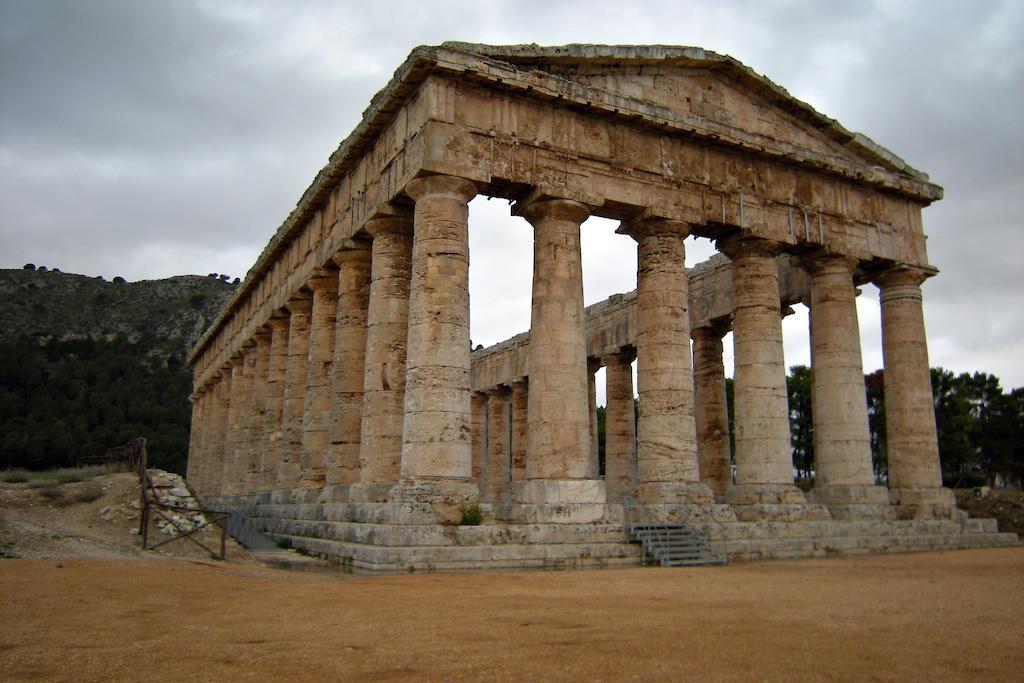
point(60, 475)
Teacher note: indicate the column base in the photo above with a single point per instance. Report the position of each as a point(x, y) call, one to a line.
point(446, 498)
point(854, 501)
point(937, 503)
point(773, 503)
point(560, 491)
point(674, 492)
point(370, 492)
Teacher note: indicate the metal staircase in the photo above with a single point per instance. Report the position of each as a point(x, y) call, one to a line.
point(673, 545)
point(668, 545)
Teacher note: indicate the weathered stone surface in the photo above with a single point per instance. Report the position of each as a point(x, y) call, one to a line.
point(380, 450)
point(558, 440)
point(316, 414)
point(436, 428)
point(356, 414)
point(349, 363)
point(620, 427)
point(289, 467)
point(711, 414)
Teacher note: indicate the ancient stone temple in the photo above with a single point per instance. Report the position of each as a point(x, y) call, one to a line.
point(337, 402)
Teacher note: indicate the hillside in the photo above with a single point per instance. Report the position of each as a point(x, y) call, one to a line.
point(54, 305)
point(86, 364)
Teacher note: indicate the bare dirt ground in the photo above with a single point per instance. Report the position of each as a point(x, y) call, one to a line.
point(95, 518)
point(82, 602)
point(938, 616)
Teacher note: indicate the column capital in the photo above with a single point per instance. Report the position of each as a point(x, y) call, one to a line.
point(647, 224)
point(453, 186)
point(322, 279)
point(389, 225)
point(537, 207)
point(713, 331)
point(738, 246)
point(300, 302)
point(902, 275)
point(358, 253)
point(621, 356)
point(278, 320)
point(234, 362)
point(500, 390)
point(261, 336)
point(822, 262)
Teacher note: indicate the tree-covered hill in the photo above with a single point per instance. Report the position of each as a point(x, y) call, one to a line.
point(87, 364)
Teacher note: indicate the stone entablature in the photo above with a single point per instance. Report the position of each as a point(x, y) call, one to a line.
point(341, 374)
point(449, 110)
point(611, 324)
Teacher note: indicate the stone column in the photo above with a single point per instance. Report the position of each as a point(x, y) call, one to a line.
point(667, 467)
point(478, 436)
point(520, 427)
point(620, 426)
point(244, 448)
point(316, 412)
point(233, 437)
point(195, 456)
point(380, 449)
point(221, 432)
point(915, 474)
point(289, 468)
point(842, 442)
point(257, 412)
point(273, 426)
point(498, 471)
point(436, 450)
point(593, 365)
point(710, 407)
point(559, 468)
point(349, 363)
point(764, 461)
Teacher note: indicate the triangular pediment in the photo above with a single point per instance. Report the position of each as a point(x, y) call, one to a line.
point(708, 93)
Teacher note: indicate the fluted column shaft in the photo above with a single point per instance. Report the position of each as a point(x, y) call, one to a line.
point(289, 468)
point(380, 449)
point(219, 432)
point(620, 426)
point(257, 413)
point(915, 473)
point(842, 442)
point(558, 441)
point(520, 427)
point(195, 456)
point(593, 365)
point(667, 465)
point(761, 406)
point(273, 434)
point(498, 474)
point(244, 448)
point(710, 408)
point(478, 436)
point(435, 430)
point(349, 364)
point(233, 440)
point(316, 415)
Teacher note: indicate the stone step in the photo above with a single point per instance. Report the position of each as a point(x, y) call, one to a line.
point(436, 535)
point(750, 549)
point(496, 556)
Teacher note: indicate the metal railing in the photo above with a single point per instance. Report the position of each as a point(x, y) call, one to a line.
point(154, 507)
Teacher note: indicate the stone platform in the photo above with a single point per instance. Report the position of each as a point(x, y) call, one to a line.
point(388, 537)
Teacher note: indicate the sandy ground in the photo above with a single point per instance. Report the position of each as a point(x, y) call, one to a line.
point(938, 616)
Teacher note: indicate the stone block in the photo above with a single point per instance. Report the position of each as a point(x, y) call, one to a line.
point(561, 491)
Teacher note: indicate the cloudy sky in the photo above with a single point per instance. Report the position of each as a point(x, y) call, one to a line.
point(147, 139)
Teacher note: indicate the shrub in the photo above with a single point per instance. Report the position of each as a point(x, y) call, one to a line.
point(17, 476)
point(471, 515)
point(87, 494)
point(29, 266)
point(51, 492)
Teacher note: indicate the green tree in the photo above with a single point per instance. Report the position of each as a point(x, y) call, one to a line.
point(801, 419)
